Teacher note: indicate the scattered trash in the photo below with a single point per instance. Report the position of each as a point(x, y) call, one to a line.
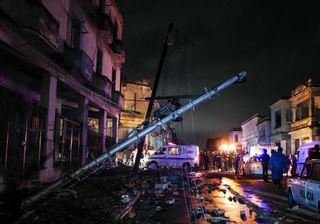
point(161, 186)
point(250, 211)
point(219, 220)
point(125, 199)
point(259, 218)
point(241, 200)
point(66, 194)
point(230, 198)
point(215, 212)
point(170, 201)
point(243, 215)
point(223, 190)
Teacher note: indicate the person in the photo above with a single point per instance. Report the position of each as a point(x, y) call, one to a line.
point(264, 159)
point(277, 165)
point(288, 164)
point(237, 163)
point(315, 152)
point(206, 161)
point(294, 165)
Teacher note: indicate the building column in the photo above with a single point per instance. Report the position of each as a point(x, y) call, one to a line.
point(83, 107)
point(103, 128)
point(48, 100)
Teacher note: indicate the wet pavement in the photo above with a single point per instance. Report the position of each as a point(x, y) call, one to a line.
point(171, 196)
point(248, 200)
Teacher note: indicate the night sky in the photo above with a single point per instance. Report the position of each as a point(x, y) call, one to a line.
point(276, 42)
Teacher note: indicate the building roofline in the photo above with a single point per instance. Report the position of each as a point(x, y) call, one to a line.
point(253, 116)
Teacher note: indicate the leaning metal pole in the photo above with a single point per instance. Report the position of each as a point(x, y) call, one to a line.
point(81, 172)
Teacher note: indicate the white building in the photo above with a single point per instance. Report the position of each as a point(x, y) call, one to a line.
point(250, 133)
point(280, 124)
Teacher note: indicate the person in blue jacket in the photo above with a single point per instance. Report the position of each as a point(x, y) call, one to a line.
point(277, 165)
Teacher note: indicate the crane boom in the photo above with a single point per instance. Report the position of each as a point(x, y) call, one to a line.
point(95, 164)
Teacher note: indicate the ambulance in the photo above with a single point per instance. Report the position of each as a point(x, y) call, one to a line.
point(305, 189)
point(186, 156)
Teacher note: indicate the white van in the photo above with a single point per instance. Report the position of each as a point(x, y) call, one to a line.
point(303, 152)
point(186, 156)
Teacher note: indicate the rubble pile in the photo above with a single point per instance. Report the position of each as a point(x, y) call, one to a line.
point(156, 200)
point(100, 199)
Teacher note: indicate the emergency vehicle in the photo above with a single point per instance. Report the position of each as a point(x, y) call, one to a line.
point(186, 156)
point(303, 152)
point(305, 189)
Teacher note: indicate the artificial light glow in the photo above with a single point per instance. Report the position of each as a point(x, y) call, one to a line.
point(228, 147)
point(171, 143)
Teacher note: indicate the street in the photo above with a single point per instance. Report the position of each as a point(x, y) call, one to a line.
point(258, 201)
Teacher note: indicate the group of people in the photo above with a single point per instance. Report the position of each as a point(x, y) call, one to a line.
point(279, 164)
point(216, 160)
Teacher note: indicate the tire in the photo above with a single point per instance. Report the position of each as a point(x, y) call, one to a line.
point(291, 201)
point(153, 166)
point(186, 167)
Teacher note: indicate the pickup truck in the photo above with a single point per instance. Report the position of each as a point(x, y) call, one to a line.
point(305, 189)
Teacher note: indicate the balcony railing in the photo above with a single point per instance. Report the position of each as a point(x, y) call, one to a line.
point(79, 62)
point(33, 16)
point(102, 84)
point(117, 97)
point(301, 123)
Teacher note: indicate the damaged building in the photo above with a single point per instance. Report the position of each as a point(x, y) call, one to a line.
point(60, 78)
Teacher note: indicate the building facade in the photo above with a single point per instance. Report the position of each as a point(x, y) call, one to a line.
point(59, 84)
point(235, 137)
point(133, 115)
point(250, 133)
point(281, 124)
point(305, 104)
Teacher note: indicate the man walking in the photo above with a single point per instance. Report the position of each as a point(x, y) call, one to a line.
point(264, 159)
point(277, 164)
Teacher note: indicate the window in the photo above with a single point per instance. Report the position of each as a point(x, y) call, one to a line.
point(75, 34)
point(161, 151)
point(302, 111)
point(288, 116)
point(277, 117)
point(174, 151)
point(114, 77)
point(315, 175)
point(99, 62)
point(236, 138)
point(111, 127)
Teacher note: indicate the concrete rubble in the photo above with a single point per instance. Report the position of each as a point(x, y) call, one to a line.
point(113, 196)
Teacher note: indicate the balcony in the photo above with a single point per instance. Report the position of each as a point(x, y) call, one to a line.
point(306, 122)
point(102, 84)
point(79, 63)
point(117, 97)
point(118, 49)
point(106, 26)
point(38, 25)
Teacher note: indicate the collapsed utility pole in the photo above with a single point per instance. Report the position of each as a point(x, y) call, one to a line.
point(97, 164)
point(153, 94)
